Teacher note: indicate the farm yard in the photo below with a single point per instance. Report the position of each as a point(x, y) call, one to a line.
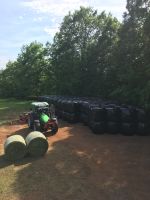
point(90, 67)
point(78, 164)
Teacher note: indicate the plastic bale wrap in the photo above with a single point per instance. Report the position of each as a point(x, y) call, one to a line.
point(37, 144)
point(15, 148)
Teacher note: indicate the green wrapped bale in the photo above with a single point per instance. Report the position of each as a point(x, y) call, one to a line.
point(37, 144)
point(15, 148)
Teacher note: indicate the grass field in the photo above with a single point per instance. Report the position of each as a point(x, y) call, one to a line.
point(78, 165)
point(10, 109)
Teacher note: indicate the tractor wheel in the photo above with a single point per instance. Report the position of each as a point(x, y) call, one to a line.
point(54, 129)
point(36, 126)
point(30, 122)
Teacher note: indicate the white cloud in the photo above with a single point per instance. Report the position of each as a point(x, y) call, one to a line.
point(51, 30)
point(116, 10)
point(61, 7)
point(21, 17)
point(57, 8)
point(3, 61)
point(37, 19)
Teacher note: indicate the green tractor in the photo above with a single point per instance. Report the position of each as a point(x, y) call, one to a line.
point(42, 118)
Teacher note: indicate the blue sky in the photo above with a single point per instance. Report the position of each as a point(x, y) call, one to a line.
point(24, 21)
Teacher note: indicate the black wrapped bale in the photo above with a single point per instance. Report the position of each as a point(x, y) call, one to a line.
point(98, 127)
point(128, 129)
point(98, 114)
point(113, 127)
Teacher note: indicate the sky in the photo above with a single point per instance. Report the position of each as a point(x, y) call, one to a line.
point(24, 21)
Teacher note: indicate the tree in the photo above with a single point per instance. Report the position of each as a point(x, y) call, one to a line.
point(7, 80)
point(92, 55)
point(132, 48)
point(30, 70)
point(27, 75)
point(82, 34)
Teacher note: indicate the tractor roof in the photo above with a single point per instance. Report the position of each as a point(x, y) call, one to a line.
point(39, 104)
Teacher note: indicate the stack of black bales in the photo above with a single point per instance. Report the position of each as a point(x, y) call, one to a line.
point(101, 116)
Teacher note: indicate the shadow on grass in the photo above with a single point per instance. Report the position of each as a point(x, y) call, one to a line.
point(26, 160)
point(3, 162)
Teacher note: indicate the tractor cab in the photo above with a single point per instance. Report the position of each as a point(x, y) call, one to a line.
point(40, 107)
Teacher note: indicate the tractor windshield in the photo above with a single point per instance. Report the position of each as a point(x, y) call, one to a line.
point(43, 110)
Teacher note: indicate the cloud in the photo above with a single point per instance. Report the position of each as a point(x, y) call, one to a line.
point(115, 10)
point(57, 8)
point(37, 19)
point(62, 7)
point(21, 17)
point(51, 30)
point(3, 61)
point(24, 21)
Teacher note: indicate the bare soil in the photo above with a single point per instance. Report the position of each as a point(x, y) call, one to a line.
point(78, 166)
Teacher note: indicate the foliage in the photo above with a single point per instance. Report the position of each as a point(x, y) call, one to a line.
point(92, 55)
point(133, 62)
point(82, 50)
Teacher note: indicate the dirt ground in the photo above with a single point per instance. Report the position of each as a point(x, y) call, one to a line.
point(78, 166)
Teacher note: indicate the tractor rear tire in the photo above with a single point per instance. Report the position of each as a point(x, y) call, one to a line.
point(54, 129)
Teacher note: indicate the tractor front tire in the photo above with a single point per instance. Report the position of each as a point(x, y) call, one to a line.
point(54, 129)
point(36, 126)
point(30, 122)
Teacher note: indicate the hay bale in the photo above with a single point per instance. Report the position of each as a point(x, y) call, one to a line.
point(15, 147)
point(37, 144)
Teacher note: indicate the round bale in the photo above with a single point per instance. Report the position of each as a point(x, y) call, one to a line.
point(37, 144)
point(15, 147)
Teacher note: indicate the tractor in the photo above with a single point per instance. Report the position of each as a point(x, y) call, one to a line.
point(42, 118)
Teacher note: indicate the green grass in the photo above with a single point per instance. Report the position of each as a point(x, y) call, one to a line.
point(11, 108)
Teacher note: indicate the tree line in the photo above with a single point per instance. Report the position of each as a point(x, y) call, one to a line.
point(92, 55)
